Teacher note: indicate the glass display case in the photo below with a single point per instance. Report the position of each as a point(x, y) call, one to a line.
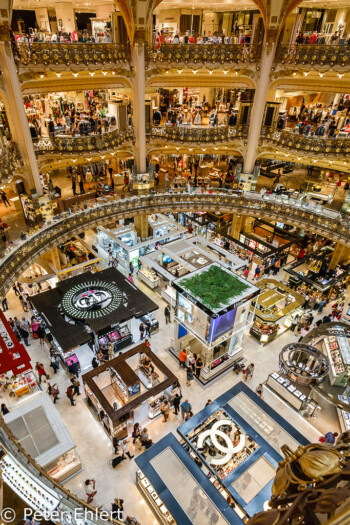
point(337, 350)
point(149, 277)
point(153, 499)
point(120, 336)
point(344, 417)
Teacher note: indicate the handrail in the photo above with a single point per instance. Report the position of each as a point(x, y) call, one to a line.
point(72, 53)
point(194, 134)
point(98, 142)
point(313, 54)
point(69, 501)
point(325, 221)
point(292, 139)
point(202, 53)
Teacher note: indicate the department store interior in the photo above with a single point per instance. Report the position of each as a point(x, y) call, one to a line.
point(175, 260)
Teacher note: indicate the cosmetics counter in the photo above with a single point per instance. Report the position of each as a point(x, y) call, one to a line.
point(119, 335)
point(295, 394)
point(149, 277)
point(59, 460)
point(177, 490)
point(16, 387)
point(276, 308)
point(169, 294)
point(122, 242)
point(344, 417)
point(337, 349)
point(154, 323)
point(253, 434)
point(38, 209)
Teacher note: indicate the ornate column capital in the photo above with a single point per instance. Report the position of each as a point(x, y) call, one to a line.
point(4, 33)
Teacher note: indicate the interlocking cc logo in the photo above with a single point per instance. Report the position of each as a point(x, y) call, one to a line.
point(91, 300)
point(214, 433)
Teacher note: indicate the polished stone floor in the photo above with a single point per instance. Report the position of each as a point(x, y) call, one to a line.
point(93, 445)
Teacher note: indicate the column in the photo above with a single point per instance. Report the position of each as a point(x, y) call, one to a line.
point(65, 16)
point(341, 254)
point(237, 225)
point(42, 18)
point(139, 116)
point(258, 110)
point(141, 226)
point(18, 118)
point(336, 100)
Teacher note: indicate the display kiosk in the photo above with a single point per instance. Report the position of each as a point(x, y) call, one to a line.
point(210, 319)
point(39, 428)
point(127, 389)
point(276, 308)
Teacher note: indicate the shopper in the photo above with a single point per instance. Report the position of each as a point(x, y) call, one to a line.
point(4, 198)
point(125, 448)
point(54, 363)
point(192, 362)
point(259, 391)
point(4, 409)
point(5, 304)
point(41, 334)
point(321, 305)
point(209, 402)
point(165, 409)
point(117, 509)
point(148, 327)
point(185, 408)
point(303, 333)
point(126, 181)
point(15, 289)
point(330, 438)
point(199, 366)
point(189, 376)
point(76, 385)
point(142, 331)
point(94, 363)
point(167, 314)
point(248, 372)
point(136, 433)
point(182, 358)
point(130, 278)
point(54, 390)
point(81, 186)
point(90, 491)
point(70, 395)
point(74, 187)
point(23, 303)
point(326, 319)
point(176, 403)
point(145, 439)
point(39, 367)
point(188, 415)
point(257, 272)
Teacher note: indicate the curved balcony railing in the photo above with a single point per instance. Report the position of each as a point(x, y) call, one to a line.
point(202, 53)
point(21, 254)
point(66, 54)
point(313, 144)
point(84, 143)
point(70, 506)
point(9, 158)
point(313, 54)
point(193, 134)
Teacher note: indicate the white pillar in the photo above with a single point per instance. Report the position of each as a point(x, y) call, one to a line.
point(139, 106)
point(258, 110)
point(65, 16)
point(42, 18)
point(18, 118)
point(336, 99)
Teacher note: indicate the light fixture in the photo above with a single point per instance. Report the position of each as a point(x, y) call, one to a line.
point(190, 149)
point(322, 75)
point(58, 74)
point(210, 71)
point(195, 71)
point(74, 160)
point(41, 76)
point(104, 73)
point(236, 72)
point(89, 159)
point(179, 71)
point(225, 72)
point(315, 161)
point(306, 73)
point(299, 158)
point(340, 75)
point(204, 149)
point(294, 74)
point(92, 73)
point(113, 72)
point(331, 161)
point(216, 149)
point(75, 75)
point(102, 156)
point(166, 72)
point(165, 147)
point(113, 153)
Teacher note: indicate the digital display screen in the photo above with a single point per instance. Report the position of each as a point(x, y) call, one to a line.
point(186, 305)
point(222, 324)
point(180, 314)
point(167, 259)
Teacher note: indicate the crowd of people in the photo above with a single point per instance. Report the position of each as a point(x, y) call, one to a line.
point(314, 38)
point(63, 37)
point(320, 121)
point(236, 37)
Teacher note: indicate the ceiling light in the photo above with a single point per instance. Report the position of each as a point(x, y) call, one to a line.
point(340, 75)
point(179, 71)
point(113, 72)
point(322, 75)
point(104, 73)
point(294, 74)
point(315, 161)
point(190, 149)
point(58, 74)
point(75, 75)
point(74, 160)
point(89, 159)
point(92, 74)
point(166, 72)
point(225, 72)
point(204, 149)
point(41, 76)
point(194, 71)
point(210, 72)
point(102, 156)
point(306, 73)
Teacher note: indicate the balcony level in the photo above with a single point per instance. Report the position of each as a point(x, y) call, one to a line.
point(314, 57)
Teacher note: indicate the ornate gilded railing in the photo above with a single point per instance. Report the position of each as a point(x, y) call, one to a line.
point(84, 143)
point(314, 54)
point(324, 221)
point(9, 159)
point(312, 144)
point(192, 134)
point(202, 53)
point(67, 54)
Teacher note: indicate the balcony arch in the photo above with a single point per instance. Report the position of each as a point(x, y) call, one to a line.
point(327, 223)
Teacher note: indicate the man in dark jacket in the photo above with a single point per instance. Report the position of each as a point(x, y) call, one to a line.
point(176, 403)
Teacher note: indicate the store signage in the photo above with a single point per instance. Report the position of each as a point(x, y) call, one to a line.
point(6, 336)
point(91, 300)
point(225, 447)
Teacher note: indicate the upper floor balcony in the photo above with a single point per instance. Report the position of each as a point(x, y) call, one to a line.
point(61, 54)
point(198, 134)
point(314, 55)
point(88, 143)
point(201, 54)
point(339, 147)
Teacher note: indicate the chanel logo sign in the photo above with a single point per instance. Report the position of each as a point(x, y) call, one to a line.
point(221, 442)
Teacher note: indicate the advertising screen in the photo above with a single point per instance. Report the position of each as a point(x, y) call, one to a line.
point(222, 324)
point(186, 305)
point(167, 259)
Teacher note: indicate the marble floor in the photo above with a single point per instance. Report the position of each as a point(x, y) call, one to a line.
point(95, 448)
